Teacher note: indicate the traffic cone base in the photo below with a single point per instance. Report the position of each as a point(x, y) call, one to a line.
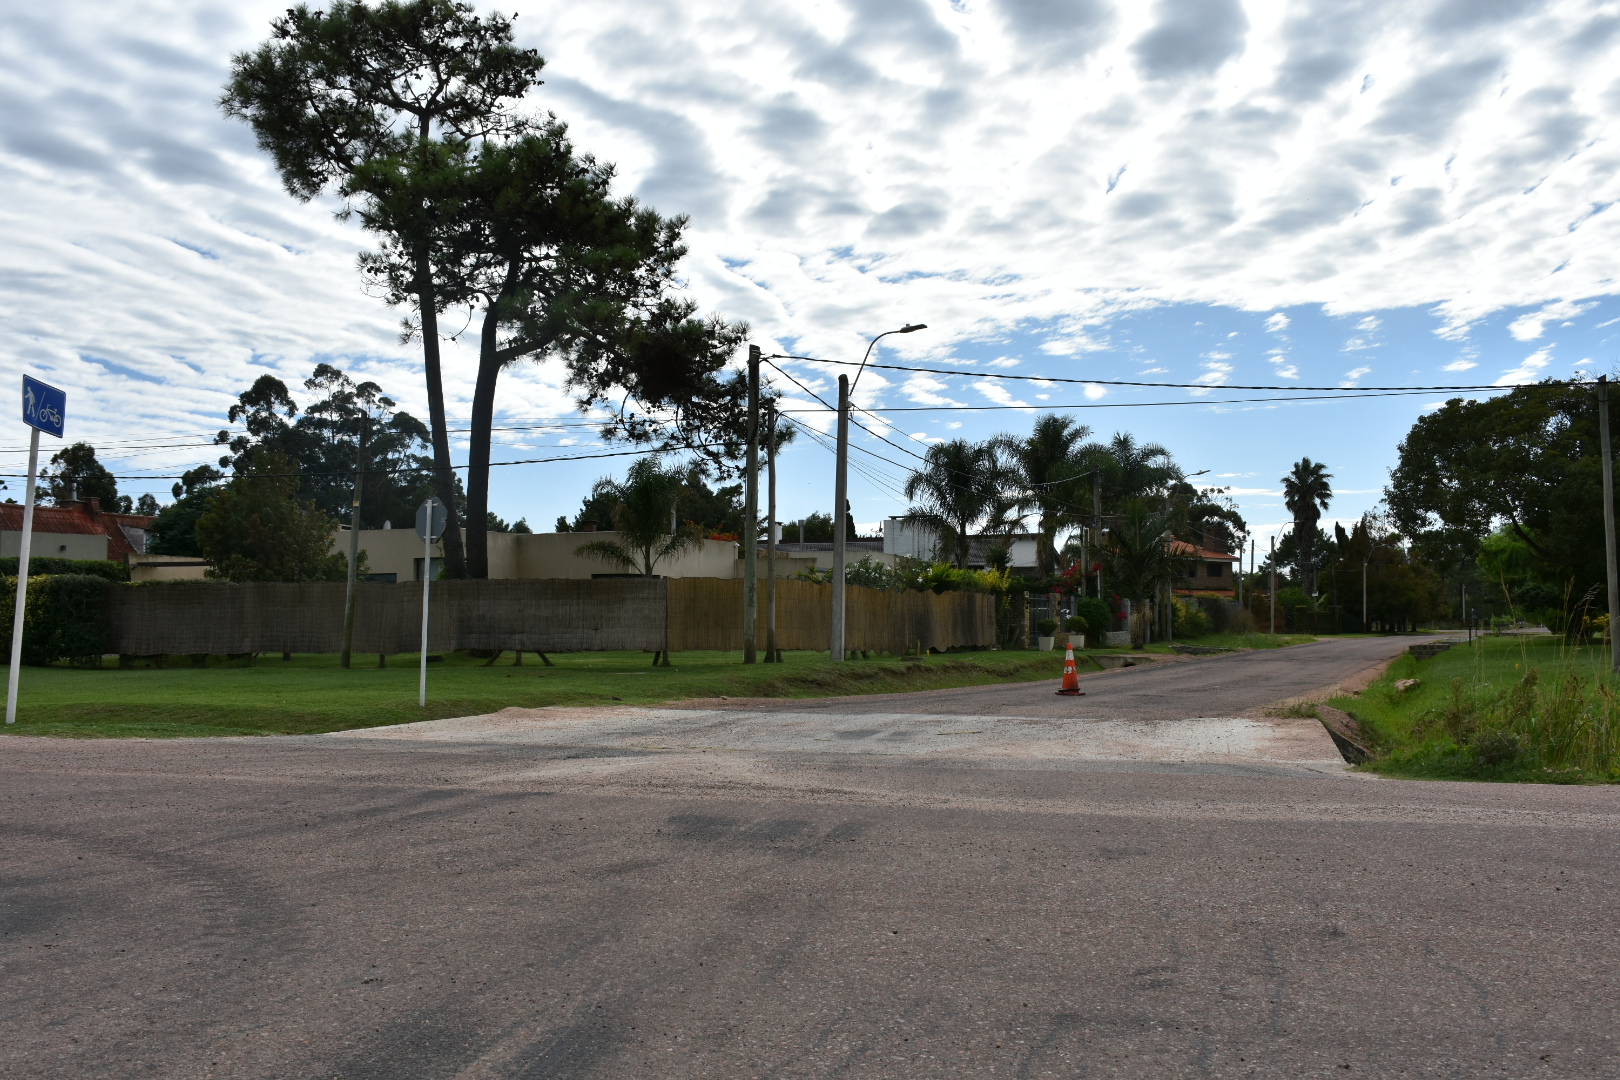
point(1071, 678)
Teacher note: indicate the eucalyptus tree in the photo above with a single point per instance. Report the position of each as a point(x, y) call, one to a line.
point(1307, 490)
point(959, 485)
point(342, 97)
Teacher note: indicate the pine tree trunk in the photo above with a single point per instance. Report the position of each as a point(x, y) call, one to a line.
point(455, 561)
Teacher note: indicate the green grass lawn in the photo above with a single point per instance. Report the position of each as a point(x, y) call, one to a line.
point(1508, 708)
point(309, 694)
point(1232, 641)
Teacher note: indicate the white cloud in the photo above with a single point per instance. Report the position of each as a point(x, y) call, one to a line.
point(1215, 374)
point(996, 392)
point(1528, 371)
point(1005, 362)
point(1095, 392)
point(1369, 324)
point(848, 167)
point(1356, 345)
point(1353, 376)
point(1460, 365)
point(1531, 324)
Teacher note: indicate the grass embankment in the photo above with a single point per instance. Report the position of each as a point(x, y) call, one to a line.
point(1529, 709)
point(310, 694)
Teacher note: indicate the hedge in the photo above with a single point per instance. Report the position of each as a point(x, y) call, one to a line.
point(102, 568)
point(66, 617)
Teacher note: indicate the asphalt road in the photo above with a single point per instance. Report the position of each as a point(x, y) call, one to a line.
point(393, 907)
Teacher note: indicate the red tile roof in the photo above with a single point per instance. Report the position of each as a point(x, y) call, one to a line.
point(1184, 549)
point(78, 519)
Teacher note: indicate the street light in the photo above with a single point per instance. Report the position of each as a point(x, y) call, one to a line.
point(841, 490)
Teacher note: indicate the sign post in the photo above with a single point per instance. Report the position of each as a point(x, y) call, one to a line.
point(430, 521)
point(44, 408)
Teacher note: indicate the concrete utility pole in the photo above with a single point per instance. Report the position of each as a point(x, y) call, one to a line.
point(841, 489)
point(1273, 584)
point(835, 646)
point(770, 534)
point(751, 516)
point(354, 545)
point(1608, 522)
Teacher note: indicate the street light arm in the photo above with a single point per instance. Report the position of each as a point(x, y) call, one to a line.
point(907, 329)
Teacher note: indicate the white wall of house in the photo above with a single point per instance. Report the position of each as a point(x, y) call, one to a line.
point(907, 540)
point(56, 545)
point(166, 568)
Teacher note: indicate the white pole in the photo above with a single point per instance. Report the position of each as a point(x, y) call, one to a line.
point(22, 579)
point(427, 577)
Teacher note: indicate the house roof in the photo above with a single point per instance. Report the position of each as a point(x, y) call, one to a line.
point(82, 519)
point(1186, 550)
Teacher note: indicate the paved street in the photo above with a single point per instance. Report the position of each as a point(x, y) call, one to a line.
point(1154, 880)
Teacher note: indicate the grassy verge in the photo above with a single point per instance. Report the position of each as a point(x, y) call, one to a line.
point(310, 694)
point(1505, 709)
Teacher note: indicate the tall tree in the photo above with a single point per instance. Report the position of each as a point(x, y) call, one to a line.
point(1139, 559)
point(643, 506)
point(74, 473)
point(1136, 470)
point(957, 487)
point(324, 442)
point(1048, 474)
point(256, 528)
point(1307, 490)
point(341, 97)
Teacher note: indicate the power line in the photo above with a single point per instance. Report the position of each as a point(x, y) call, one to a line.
point(1122, 382)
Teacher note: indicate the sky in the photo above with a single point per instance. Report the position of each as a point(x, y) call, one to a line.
point(1207, 192)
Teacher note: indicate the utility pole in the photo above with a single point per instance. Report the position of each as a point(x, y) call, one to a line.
point(1608, 522)
point(841, 488)
point(770, 534)
point(751, 516)
point(354, 544)
point(1273, 584)
point(835, 647)
point(1366, 623)
point(1096, 522)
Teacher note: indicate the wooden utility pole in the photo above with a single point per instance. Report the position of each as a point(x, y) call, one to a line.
point(770, 535)
point(835, 649)
point(1096, 523)
point(354, 546)
point(751, 516)
point(1608, 522)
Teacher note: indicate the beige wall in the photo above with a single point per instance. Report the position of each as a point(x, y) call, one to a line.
point(551, 555)
point(56, 545)
point(166, 568)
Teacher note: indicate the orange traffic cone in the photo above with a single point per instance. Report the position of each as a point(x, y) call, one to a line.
point(1071, 678)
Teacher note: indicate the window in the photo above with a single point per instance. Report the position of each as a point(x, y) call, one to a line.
point(1216, 569)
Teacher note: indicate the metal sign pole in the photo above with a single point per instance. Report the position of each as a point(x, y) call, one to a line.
point(44, 408)
point(22, 579)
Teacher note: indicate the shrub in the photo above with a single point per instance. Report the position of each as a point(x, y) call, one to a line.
point(1097, 616)
point(1189, 619)
point(66, 618)
point(102, 568)
point(1074, 624)
point(1047, 627)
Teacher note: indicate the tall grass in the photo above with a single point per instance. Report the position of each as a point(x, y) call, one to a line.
point(1503, 709)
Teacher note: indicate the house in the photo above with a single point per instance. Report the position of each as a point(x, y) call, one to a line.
point(1208, 572)
point(396, 555)
point(908, 540)
point(79, 530)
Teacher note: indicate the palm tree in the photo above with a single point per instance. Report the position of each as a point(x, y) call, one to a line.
point(1306, 493)
point(1046, 474)
point(958, 486)
point(1139, 559)
point(643, 516)
point(1138, 470)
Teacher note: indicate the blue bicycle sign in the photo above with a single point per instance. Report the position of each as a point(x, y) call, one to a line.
point(44, 406)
